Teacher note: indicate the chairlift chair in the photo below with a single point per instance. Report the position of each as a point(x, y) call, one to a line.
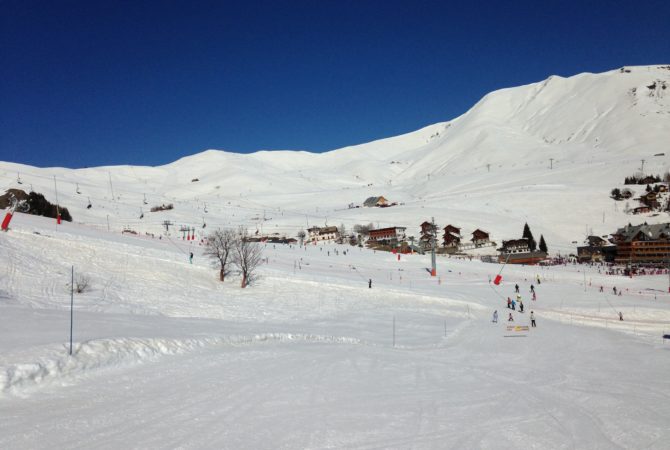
point(78, 191)
point(89, 203)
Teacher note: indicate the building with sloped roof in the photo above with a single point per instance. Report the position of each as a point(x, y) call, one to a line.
point(643, 244)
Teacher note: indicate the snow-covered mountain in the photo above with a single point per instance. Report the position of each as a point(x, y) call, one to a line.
point(547, 153)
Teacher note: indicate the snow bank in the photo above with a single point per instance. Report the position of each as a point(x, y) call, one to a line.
point(57, 367)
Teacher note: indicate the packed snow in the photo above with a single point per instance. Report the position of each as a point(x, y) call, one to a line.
point(166, 356)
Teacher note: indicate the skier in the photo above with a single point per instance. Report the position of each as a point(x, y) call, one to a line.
point(513, 305)
point(516, 288)
point(495, 316)
point(190, 258)
point(520, 306)
point(509, 303)
point(538, 280)
point(532, 319)
point(532, 288)
point(370, 283)
point(614, 289)
point(534, 296)
point(601, 289)
point(620, 316)
point(511, 319)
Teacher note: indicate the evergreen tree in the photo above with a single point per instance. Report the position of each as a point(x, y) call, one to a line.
point(543, 245)
point(528, 235)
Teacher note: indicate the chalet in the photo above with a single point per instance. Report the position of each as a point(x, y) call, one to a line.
point(375, 201)
point(642, 244)
point(318, 234)
point(641, 210)
point(517, 251)
point(480, 238)
point(650, 199)
point(662, 188)
point(593, 251)
point(387, 236)
point(451, 237)
point(515, 246)
point(648, 180)
point(428, 232)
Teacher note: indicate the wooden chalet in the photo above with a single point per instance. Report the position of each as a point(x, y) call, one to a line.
point(480, 237)
point(593, 251)
point(517, 251)
point(451, 237)
point(320, 234)
point(643, 244)
point(375, 201)
point(428, 231)
point(650, 199)
point(387, 236)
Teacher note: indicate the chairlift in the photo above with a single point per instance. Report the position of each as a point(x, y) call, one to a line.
point(141, 214)
point(78, 191)
point(89, 203)
point(145, 199)
point(204, 224)
point(205, 210)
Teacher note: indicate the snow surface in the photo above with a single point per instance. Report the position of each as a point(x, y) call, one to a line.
point(167, 356)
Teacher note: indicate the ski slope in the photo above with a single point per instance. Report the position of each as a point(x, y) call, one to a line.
point(310, 357)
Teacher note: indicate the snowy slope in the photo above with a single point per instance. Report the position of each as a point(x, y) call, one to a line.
point(310, 357)
point(487, 169)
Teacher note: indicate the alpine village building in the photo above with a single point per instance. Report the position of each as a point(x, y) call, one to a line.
point(320, 234)
point(387, 236)
point(642, 244)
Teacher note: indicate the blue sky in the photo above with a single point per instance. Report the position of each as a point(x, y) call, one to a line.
point(89, 83)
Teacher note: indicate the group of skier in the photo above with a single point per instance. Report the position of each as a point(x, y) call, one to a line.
point(512, 304)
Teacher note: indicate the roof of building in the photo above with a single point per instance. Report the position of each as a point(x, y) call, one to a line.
point(650, 232)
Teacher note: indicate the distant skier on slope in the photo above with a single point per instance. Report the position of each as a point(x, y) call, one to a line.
point(532, 319)
point(370, 283)
point(510, 319)
point(516, 288)
point(190, 258)
point(495, 316)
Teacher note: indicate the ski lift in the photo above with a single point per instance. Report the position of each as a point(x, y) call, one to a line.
point(145, 199)
point(141, 214)
point(18, 178)
point(204, 224)
point(89, 203)
point(78, 191)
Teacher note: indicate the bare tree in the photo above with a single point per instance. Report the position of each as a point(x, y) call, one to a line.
point(247, 257)
point(81, 284)
point(220, 247)
point(363, 230)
